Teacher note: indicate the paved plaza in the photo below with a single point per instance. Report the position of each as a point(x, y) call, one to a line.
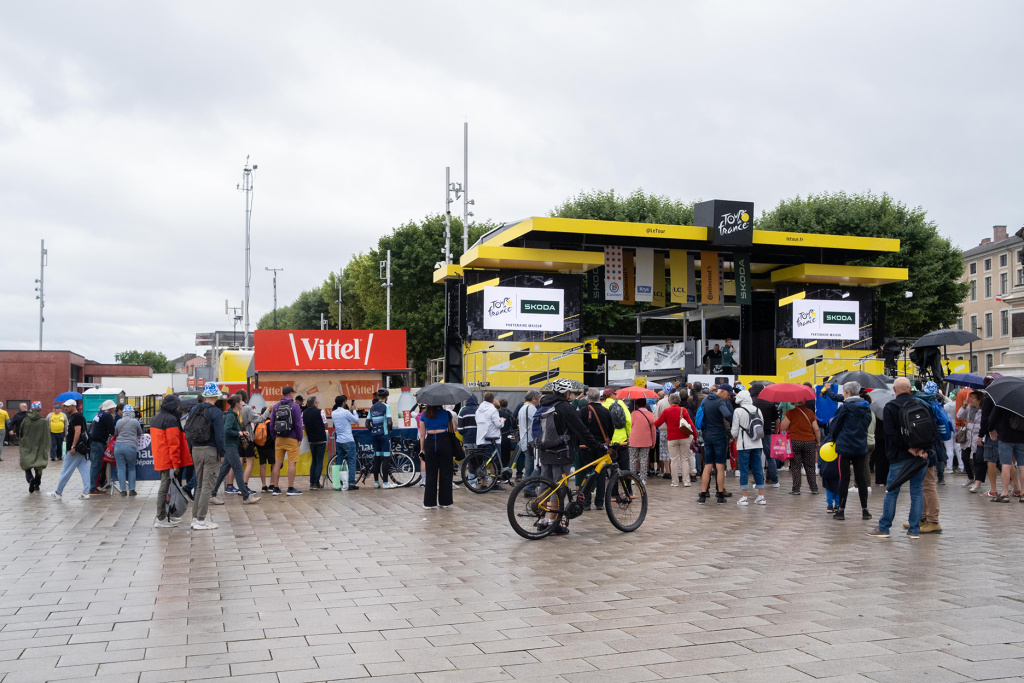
point(347, 585)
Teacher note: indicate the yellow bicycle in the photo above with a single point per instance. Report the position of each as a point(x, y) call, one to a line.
point(537, 504)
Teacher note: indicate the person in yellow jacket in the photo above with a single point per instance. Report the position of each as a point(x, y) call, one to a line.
point(58, 422)
point(4, 419)
point(620, 437)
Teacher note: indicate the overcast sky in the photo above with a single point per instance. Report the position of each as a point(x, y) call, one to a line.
point(124, 127)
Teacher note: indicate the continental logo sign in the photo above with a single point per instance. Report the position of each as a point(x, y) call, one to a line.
point(539, 307)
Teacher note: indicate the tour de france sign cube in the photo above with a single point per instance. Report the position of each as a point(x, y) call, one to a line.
point(524, 308)
point(729, 223)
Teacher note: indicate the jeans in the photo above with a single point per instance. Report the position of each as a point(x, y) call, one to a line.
point(1011, 453)
point(95, 461)
point(72, 462)
point(916, 497)
point(347, 452)
point(127, 458)
point(56, 441)
point(769, 461)
point(316, 468)
point(745, 459)
point(232, 462)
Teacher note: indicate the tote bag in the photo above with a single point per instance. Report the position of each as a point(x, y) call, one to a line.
point(782, 447)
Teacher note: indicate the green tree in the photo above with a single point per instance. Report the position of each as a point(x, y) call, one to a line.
point(935, 265)
point(154, 359)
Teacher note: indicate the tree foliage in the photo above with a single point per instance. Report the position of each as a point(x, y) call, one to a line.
point(154, 359)
point(935, 265)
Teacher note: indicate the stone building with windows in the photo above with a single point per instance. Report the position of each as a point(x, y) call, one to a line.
point(991, 269)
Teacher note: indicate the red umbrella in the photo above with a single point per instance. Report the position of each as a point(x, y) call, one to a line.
point(787, 393)
point(635, 392)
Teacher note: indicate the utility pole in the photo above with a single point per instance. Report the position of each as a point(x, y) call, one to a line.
point(246, 187)
point(385, 274)
point(39, 288)
point(447, 214)
point(341, 273)
point(275, 271)
point(466, 201)
point(234, 321)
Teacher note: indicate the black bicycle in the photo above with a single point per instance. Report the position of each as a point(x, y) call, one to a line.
point(405, 468)
point(482, 468)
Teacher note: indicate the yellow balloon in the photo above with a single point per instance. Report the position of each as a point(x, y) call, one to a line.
point(828, 451)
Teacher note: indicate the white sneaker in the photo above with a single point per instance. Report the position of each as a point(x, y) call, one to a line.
point(776, 485)
point(429, 507)
point(175, 520)
point(203, 525)
point(853, 489)
point(376, 484)
point(388, 485)
point(251, 500)
point(674, 484)
point(54, 495)
point(973, 489)
point(163, 524)
point(214, 500)
point(761, 501)
point(686, 482)
point(83, 496)
point(454, 486)
point(737, 473)
point(742, 501)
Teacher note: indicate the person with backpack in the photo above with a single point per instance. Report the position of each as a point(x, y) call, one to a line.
point(204, 429)
point(246, 447)
point(170, 454)
point(599, 421)
point(264, 440)
point(378, 421)
point(642, 437)
point(622, 423)
point(680, 432)
point(233, 435)
point(714, 419)
point(772, 422)
point(943, 428)
point(849, 430)
point(909, 429)
point(287, 417)
point(747, 431)
point(560, 429)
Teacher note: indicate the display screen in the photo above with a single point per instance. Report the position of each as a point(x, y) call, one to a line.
point(523, 306)
point(827, 316)
point(823, 319)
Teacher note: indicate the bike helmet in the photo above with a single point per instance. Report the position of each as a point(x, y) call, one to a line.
point(382, 393)
point(562, 386)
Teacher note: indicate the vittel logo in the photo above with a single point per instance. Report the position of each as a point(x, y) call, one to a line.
point(316, 348)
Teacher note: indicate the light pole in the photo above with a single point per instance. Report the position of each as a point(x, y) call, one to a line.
point(274, 271)
point(341, 274)
point(39, 288)
point(385, 274)
point(246, 187)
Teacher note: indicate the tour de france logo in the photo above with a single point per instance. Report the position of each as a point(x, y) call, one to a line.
point(806, 318)
point(500, 307)
point(734, 222)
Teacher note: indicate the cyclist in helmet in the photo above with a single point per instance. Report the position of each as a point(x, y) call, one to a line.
point(378, 421)
point(556, 463)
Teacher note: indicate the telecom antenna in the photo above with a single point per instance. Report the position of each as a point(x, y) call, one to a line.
point(246, 187)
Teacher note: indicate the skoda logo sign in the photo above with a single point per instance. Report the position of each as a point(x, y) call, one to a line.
point(839, 318)
point(538, 307)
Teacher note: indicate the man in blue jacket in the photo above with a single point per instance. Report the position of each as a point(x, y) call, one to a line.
point(717, 423)
point(100, 431)
point(849, 431)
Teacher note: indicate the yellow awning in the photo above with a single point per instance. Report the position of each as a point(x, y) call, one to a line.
point(817, 273)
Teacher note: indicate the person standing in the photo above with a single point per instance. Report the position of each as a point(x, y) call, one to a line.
point(35, 445)
point(772, 422)
point(749, 445)
point(126, 450)
point(16, 421)
point(712, 360)
point(900, 456)
point(729, 363)
point(378, 421)
point(802, 426)
point(1004, 426)
point(345, 443)
point(598, 420)
point(170, 454)
point(970, 417)
point(642, 438)
point(849, 430)
point(4, 420)
point(680, 432)
point(467, 420)
point(77, 457)
point(718, 415)
point(207, 449)
point(436, 446)
point(664, 460)
point(233, 435)
point(488, 422)
point(58, 422)
point(525, 419)
point(622, 421)
point(100, 431)
point(316, 434)
point(287, 417)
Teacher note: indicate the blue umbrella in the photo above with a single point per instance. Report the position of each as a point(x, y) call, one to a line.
point(66, 395)
point(966, 379)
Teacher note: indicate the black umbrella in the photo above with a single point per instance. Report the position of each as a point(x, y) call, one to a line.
point(1008, 394)
point(442, 394)
point(946, 338)
point(915, 467)
point(865, 379)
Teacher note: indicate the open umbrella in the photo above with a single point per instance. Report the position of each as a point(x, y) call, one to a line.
point(635, 393)
point(442, 394)
point(865, 379)
point(74, 395)
point(915, 467)
point(1008, 393)
point(787, 393)
point(946, 338)
point(879, 397)
point(966, 379)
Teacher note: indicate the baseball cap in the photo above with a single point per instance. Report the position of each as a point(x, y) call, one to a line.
point(607, 392)
point(287, 390)
point(725, 386)
point(71, 402)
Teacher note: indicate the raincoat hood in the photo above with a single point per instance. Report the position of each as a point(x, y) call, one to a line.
point(170, 403)
point(743, 398)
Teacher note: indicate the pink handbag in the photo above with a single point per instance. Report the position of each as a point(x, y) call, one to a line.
point(782, 447)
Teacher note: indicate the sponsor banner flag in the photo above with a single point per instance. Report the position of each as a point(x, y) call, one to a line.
point(721, 278)
point(658, 296)
point(691, 281)
point(710, 294)
point(595, 285)
point(678, 276)
point(614, 278)
point(628, 287)
point(644, 274)
point(744, 286)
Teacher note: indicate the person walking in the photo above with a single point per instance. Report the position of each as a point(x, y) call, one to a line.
point(718, 415)
point(100, 431)
point(35, 446)
point(344, 442)
point(127, 433)
point(316, 434)
point(747, 431)
point(207, 449)
point(58, 422)
point(642, 438)
point(170, 454)
point(436, 431)
point(900, 456)
point(849, 430)
point(679, 433)
point(247, 446)
point(233, 434)
point(77, 456)
point(802, 426)
point(287, 417)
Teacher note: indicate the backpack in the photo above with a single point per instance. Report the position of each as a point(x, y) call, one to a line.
point(197, 425)
point(535, 429)
point(755, 425)
point(377, 419)
point(552, 438)
point(284, 422)
point(699, 420)
point(942, 423)
point(259, 434)
point(917, 424)
point(618, 415)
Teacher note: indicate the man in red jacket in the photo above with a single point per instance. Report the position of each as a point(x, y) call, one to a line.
point(680, 434)
point(170, 452)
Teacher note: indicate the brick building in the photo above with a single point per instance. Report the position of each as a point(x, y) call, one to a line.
point(42, 375)
point(991, 269)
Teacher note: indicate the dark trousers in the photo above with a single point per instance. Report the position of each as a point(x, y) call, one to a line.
point(56, 440)
point(232, 461)
point(381, 467)
point(980, 466)
point(860, 476)
point(34, 475)
point(437, 451)
point(967, 462)
point(316, 468)
point(95, 462)
point(587, 457)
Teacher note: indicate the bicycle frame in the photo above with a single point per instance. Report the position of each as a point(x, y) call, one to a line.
point(598, 465)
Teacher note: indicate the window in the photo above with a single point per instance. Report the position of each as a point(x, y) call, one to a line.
point(988, 325)
point(974, 324)
point(988, 362)
point(1004, 282)
point(974, 290)
point(1002, 260)
point(1004, 323)
point(988, 264)
point(974, 363)
point(988, 286)
point(960, 325)
point(1020, 277)
point(973, 269)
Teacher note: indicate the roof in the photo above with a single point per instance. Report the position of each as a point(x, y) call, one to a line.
point(992, 247)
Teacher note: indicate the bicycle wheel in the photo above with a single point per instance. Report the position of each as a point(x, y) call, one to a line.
point(480, 472)
point(625, 501)
point(525, 511)
point(405, 471)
